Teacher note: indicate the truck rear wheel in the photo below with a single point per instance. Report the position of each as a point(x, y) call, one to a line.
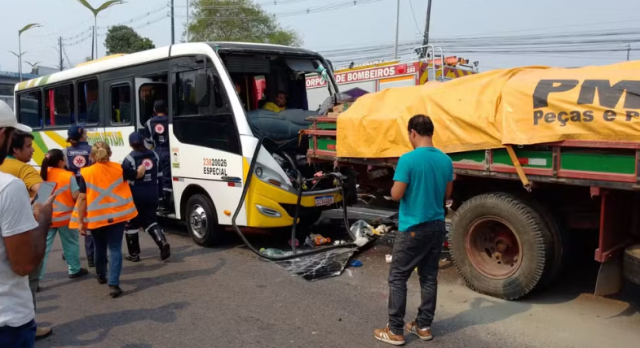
point(501, 245)
point(202, 221)
point(631, 264)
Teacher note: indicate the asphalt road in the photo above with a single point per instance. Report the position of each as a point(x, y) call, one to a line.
point(227, 297)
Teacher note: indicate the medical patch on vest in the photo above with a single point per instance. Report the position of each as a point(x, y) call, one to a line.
point(79, 161)
point(159, 128)
point(147, 163)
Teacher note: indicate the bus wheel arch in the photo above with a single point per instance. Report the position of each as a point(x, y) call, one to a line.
point(200, 215)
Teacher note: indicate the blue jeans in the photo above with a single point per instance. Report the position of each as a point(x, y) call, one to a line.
point(89, 246)
point(109, 237)
point(420, 247)
point(18, 337)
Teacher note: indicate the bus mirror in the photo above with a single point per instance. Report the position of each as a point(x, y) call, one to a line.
point(330, 65)
point(202, 88)
point(201, 59)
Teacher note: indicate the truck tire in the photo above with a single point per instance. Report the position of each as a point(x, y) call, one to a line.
point(631, 264)
point(500, 245)
point(560, 243)
point(202, 221)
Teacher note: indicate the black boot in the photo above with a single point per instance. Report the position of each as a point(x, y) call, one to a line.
point(161, 241)
point(90, 261)
point(167, 202)
point(133, 246)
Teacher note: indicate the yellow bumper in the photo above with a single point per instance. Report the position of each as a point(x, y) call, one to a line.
point(264, 195)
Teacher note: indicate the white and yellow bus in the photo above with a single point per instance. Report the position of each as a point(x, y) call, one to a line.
point(214, 101)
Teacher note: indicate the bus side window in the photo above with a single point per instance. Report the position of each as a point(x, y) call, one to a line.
point(30, 108)
point(121, 104)
point(149, 93)
point(210, 126)
point(58, 106)
point(88, 102)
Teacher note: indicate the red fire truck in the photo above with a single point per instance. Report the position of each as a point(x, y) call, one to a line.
point(378, 76)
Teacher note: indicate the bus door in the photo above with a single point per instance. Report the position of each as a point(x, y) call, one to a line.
point(205, 143)
point(147, 92)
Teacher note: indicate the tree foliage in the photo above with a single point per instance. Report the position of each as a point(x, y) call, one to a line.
point(238, 20)
point(123, 39)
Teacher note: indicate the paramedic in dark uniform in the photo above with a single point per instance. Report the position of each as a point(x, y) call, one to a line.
point(77, 156)
point(145, 197)
point(156, 134)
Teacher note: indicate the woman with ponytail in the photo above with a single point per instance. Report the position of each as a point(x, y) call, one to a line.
point(104, 206)
point(67, 191)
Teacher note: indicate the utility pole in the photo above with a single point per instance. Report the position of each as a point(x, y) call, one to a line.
point(188, 13)
point(173, 24)
point(60, 47)
point(425, 40)
point(628, 51)
point(395, 50)
point(93, 42)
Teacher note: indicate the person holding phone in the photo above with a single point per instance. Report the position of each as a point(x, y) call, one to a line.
point(17, 164)
point(22, 246)
point(105, 221)
point(77, 156)
point(67, 191)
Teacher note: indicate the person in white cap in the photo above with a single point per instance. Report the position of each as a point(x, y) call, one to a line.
point(23, 234)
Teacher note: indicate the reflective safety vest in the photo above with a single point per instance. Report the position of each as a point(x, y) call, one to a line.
point(109, 199)
point(64, 203)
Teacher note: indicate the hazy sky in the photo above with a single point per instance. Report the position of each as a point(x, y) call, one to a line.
point(366, 24)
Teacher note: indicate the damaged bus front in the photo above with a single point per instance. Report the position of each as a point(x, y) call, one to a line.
point(266, 88)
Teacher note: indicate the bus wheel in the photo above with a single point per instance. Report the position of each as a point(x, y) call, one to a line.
point(501, 245)
point(202, 221)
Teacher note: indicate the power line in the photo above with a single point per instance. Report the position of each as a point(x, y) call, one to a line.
point(137, 18)
point(310, 10)
point(261, 4)
point(413, 13)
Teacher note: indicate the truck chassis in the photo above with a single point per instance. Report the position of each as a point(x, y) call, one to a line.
point(507, 241)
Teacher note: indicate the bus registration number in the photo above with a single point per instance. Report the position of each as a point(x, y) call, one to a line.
point(324, 200)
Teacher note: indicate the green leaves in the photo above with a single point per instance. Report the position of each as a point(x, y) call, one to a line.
point(238, 20)
point(123, 39)
point(102, 7)
point(28, 26)
point(107, 4)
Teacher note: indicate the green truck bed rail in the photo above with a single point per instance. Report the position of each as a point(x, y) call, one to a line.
point(603, 164)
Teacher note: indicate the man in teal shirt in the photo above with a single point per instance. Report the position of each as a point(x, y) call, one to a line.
point(423, 182)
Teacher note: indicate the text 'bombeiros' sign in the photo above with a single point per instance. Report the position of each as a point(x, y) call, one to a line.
point(365, 74)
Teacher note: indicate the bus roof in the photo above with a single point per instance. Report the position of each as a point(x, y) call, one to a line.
point(259, 47)
point(101, 65)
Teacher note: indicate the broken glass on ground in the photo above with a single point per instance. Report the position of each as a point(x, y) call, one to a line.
point(319, 266)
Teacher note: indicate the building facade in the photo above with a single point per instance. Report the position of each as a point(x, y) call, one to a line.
point(8, 81)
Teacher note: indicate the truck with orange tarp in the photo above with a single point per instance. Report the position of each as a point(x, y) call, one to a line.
point(546, 160)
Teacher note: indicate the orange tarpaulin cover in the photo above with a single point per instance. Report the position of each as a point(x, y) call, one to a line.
point(520, 106)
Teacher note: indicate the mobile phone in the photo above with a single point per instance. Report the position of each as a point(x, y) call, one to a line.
point(45, 191)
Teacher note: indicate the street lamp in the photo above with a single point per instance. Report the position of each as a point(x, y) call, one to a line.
point(33, 66)
point(18, 56)
point(26, 27)
point(95, 12)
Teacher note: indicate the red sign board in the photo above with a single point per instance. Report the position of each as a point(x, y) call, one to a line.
point(377, 73)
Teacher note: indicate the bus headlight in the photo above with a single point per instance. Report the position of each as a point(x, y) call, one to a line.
point(259, 172)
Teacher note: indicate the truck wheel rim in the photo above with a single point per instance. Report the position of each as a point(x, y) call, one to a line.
point(493, 248)
point(198, 221)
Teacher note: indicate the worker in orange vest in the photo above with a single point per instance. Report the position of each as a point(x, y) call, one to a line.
point(104, 206)
point(52, 170)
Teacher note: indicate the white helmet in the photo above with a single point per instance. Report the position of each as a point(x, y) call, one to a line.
point(8, 119)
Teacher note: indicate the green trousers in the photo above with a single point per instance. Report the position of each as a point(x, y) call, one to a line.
point(70, 248)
